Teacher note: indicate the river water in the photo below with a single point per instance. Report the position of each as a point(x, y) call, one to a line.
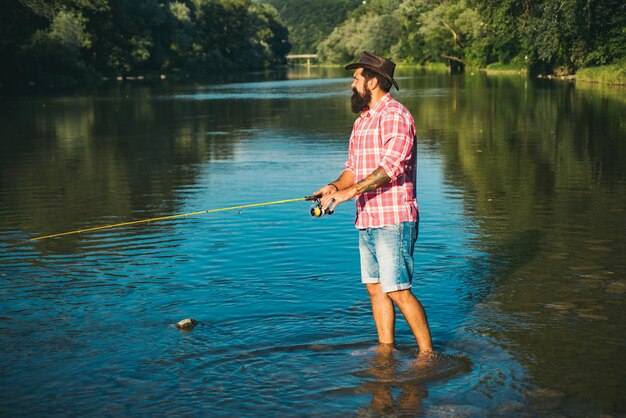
point(520, 262)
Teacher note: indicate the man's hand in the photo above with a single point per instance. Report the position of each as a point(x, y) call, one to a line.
point(331, 200)
point(340, 190)
point(324, 191)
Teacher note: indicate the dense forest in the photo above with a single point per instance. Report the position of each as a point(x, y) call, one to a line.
point(541, 35)
point(68, 40)
point(310, 22)
point(83, 39)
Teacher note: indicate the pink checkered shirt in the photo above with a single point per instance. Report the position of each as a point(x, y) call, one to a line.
point(384, 136)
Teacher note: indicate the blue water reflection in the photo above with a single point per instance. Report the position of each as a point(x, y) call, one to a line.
point(87, 321)
point(275, 90)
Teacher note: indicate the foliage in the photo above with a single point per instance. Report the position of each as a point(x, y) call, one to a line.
point(543, 35)
point(411, 46)
point(310, 22)
point(59, 48)
point(574, 33)
point(346, 41)
point(79, 38)
point(373, 26)
point(448, 31)
point(411, 30)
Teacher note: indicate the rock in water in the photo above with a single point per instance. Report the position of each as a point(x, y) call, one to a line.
point(186, 324)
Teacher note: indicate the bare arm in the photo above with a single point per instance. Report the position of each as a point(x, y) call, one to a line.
point(375, 180)
point(345, 180)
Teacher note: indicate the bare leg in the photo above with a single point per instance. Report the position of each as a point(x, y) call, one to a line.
point(384, 315)
point(415, 316)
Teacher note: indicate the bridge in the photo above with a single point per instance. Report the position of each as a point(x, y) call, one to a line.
point(308, 57)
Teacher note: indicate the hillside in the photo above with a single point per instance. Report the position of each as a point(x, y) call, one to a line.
point(310, 22)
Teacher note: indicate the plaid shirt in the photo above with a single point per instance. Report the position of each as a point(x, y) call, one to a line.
point(384, 136)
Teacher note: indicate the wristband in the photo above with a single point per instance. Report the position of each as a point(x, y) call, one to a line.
point(333, 184)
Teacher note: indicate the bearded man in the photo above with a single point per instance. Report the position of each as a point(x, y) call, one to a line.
point(380, 175)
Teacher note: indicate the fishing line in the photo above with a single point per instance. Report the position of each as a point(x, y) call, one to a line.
point(163, 218)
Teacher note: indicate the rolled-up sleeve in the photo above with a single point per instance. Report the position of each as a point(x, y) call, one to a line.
point(398, 139)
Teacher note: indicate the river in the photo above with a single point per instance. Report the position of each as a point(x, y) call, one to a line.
point(520, 263)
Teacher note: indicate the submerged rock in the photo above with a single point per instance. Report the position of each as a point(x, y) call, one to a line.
point(186, 324)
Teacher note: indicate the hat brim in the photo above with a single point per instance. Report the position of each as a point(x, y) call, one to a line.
point(376, 70)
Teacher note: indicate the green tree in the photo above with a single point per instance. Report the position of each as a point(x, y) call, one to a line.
point(449, 31)
point(310, 22)
point(605, 35)
point(369, 28)
point(236, 34)
point(78, 38)
point(59, 49)
point(182, 27)
point(546, 34)
point(271, 37)
point(411, 45)
point(45, 37)
point(130, 36)
point(551, 33)
point(500, 38)
point(409, 30)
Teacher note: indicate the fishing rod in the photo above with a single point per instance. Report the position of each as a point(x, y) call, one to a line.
point(316, 211)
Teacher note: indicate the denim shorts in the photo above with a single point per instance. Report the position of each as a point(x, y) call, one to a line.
point(387, 255)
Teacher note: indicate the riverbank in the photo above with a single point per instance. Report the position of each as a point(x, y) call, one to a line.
point(497, 68)
point(611, 75)
point(55, 83)
point(614, 74)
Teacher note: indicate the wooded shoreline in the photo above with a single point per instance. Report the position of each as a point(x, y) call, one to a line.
point(612, 75)
point(73, 42)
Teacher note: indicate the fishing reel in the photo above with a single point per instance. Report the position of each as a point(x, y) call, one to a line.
point(316, 210)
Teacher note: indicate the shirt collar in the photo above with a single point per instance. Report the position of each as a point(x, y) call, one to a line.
point(378, 107)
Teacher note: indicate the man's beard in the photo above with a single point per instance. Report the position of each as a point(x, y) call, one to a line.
point(360, 101)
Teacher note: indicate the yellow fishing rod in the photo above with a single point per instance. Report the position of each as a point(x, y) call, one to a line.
point(163, 218)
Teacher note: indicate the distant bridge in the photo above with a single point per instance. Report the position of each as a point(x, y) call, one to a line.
point(308, 57)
